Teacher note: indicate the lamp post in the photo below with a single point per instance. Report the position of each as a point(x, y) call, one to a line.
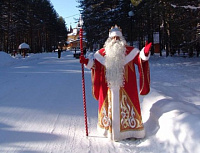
point(131, 14)
point(161, 33)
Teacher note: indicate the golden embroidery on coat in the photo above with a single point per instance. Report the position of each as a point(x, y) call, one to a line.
point(127, 113)
point(130, 119)
point(105, 115)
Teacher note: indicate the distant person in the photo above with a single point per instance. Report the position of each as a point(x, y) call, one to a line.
point(84, 51)
point(59, 53)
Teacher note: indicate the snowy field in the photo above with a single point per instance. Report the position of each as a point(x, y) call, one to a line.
point(41, 108)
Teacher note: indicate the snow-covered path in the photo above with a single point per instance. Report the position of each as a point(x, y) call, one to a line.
point(41, 108)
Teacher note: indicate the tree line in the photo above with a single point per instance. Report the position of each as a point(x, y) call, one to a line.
point(176, 21)
point(35, 22)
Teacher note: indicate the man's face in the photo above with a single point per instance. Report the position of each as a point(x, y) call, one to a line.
point(116, 38)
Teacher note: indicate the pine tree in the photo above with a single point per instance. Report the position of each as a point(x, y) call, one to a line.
point(34, 22)
point(175, 20)
point(100, 15)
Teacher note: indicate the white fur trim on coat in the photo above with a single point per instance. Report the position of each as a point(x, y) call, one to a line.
point(99, 58)
point(115, 33)
point(90, 64)
point(128, 58)
point(142, 55)
point(131, 55)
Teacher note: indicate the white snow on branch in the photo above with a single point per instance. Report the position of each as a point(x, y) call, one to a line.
point(186, 7)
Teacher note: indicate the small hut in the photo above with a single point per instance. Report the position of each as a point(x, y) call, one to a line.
point(24, 48)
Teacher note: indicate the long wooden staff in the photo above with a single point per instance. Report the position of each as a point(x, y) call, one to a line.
point(83, 77)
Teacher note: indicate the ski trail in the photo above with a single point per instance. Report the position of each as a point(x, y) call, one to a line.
point(55, 124)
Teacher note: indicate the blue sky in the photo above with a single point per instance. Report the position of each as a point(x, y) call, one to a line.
point(68, 10)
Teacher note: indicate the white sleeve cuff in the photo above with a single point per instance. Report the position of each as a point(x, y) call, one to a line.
point(142, 55)
point(90, 64)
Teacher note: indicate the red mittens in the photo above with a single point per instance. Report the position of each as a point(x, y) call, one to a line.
point(83, 60)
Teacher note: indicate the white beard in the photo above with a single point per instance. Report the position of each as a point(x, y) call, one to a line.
point(114, 62)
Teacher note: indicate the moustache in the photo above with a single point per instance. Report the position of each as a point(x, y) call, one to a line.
point(114, 42)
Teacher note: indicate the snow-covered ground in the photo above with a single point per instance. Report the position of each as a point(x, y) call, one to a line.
point(41, 108)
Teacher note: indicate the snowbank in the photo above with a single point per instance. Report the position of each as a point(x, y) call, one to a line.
point(5, 58)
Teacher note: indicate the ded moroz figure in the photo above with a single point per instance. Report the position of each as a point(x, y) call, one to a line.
point(114, 85)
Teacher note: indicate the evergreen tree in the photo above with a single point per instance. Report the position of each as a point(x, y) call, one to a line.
point(176, 21)
point(34, 22)
point(100, 15)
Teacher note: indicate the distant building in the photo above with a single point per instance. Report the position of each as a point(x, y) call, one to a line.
point(156, 36)
point(73, 40)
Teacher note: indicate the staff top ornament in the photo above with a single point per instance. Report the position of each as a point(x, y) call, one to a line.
point(81, 21)
point(135, 2)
